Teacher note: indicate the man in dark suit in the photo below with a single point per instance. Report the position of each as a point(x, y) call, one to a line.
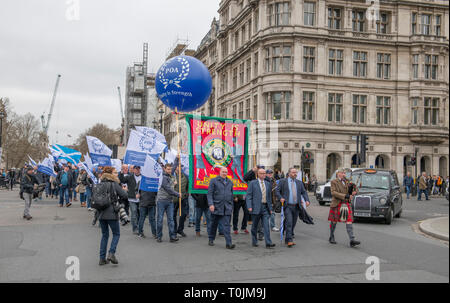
point(290, 192)
point(220, 201)
point(259, 204)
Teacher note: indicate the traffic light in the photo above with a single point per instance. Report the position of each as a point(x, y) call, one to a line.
point(413, 161)
point(364, 147)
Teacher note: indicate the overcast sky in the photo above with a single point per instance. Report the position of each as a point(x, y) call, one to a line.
point(38, 41)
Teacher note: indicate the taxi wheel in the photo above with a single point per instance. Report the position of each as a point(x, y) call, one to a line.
point(389, 216)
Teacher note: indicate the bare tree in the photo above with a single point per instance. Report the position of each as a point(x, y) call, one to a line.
point(102, 132)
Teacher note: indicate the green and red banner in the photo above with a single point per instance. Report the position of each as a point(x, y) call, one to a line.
point(216, 142)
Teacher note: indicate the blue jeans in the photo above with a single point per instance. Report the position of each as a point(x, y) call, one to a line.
point(48, 189)
point(143, 212)
point(264, 216)
point(216, 221)
point(82, 197)
point(134, 215)
point(63, 193)
point(88, 196)
point(165, 207)
point(198, 217)
point(192, 209)
point(115, 229)
point(425, 191)
point(408, 191)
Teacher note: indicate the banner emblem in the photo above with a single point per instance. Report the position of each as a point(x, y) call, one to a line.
point(217, 152)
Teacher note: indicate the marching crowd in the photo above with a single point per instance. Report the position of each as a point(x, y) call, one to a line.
point(219, 209)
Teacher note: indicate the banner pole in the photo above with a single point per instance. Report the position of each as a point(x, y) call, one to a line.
point(179, 162)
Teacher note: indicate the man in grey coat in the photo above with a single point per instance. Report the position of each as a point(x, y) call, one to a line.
point(220, 201)
point(259, 204)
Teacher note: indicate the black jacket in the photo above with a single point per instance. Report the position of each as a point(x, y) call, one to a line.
point(130, 181)
point(118, 195)
point(147, 198)
point(201, 201)
point(70, 181)
point(27, 183)
point(249, 176)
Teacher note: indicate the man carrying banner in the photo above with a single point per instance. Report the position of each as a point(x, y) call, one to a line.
point(220, 201)
point(179, 226)
point(133, 181)
point(165, 205)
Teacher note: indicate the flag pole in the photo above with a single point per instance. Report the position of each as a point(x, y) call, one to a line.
point(179, 162)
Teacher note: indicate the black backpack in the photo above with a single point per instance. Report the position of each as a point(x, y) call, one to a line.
point(101, 195)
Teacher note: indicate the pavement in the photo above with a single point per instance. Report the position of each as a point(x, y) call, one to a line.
point(37, 250)
point(437, 227)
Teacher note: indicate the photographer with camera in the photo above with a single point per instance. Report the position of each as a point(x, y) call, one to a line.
point(106, 199)
point(27, 190)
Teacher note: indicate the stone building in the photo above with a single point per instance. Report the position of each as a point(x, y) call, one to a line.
point(327, 71)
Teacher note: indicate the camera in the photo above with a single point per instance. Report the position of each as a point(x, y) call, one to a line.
point(123, 215)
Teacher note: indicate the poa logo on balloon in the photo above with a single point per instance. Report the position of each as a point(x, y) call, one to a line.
point(174, 72)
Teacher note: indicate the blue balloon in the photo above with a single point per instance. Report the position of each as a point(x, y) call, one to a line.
point(183, 83)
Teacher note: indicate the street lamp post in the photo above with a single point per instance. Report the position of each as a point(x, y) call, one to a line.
point(161, 112)
point(2, 116)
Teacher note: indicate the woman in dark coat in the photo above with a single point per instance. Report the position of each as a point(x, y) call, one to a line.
point(110, 216)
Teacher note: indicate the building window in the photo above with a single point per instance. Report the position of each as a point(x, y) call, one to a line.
point(225, 47)
point(279, 14)
point(234, 112)
point(334, 18)
point(415, 66)
point(249, 69)
point(383, 23)
point(249, 29)
point(256, 23)
point(383, 110)
point(308, 106)
point(431, 111)
point(414, 23)
point(235, 76)
point(243, 34)
point(255, 107)
point(247, 109)
point(415, 111)
point(308, 59)
point(309, 13)
point(358, 20)
point(280, 104)
point(224, 83)
point(255, 64)
point(431, 66)
point(335, 107)
point(336, 60)
point(241, 110)
point(359, 109)
point(359, 64)
point(241, 74)
point(383, 66)
point(437, 27)
point(278, 59)
point(236, 40)
point(212, 104)
point(426, 21)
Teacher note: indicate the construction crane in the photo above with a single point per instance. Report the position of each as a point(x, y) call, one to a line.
point(45, 126)
point(121, 107)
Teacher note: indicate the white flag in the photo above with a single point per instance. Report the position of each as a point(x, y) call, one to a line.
point(117, 164)
point(139, 146)
point(100, 153)
point(150, 132)
point(171, 155)
point(152, 175)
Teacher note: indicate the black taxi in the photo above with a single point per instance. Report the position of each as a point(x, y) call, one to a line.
point(379, 195)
